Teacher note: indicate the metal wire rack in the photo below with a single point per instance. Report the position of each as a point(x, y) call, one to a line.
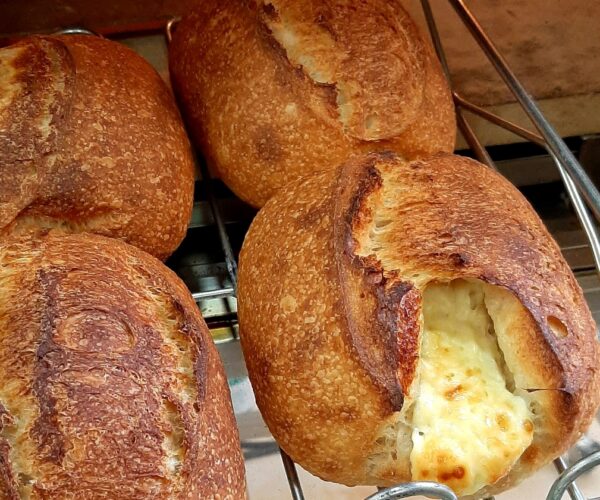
point(581, 190)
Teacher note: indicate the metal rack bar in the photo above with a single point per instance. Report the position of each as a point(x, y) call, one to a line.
point(553, 140)
point(561, 466)
point(568, 477)
point(430, 489)
point(497, 120)
point(77, 30)
point(230, 261)
point(292, 476)
point(473, 141)
point(583, 214)
point(169, 27)
point(219, 293)
point(463, 125)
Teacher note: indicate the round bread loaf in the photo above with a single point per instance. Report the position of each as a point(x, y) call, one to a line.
point(91, 140)
point(415, 321)
point(110, 384)
point(277, 89)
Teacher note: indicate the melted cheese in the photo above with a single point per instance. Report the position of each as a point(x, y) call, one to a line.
point(468, 428)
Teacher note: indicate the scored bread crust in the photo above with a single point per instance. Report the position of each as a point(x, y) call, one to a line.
point(110, 384)
point(331, 333)
point(91, 140)
point(274, 90)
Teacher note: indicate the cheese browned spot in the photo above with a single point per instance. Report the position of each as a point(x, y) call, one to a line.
point(468, 427)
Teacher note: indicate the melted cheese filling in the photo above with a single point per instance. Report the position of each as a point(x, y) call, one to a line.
point(468, 427)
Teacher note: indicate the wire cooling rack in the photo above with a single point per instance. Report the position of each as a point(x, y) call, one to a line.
point(582, 192)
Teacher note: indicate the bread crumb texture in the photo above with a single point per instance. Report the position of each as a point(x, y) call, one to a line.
point(91, 140)
point(110, 386)
point(414, 320)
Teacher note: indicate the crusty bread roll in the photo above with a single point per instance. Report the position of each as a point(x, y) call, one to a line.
point(415, 320)
point(91, 140)
point(276, 89)
point(110, 384)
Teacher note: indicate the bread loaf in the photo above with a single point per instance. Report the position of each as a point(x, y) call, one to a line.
point(110, 384)
point(415, 321)
point(91, 140)
point(277, 89)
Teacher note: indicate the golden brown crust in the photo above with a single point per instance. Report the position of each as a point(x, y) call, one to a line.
point(388, 308)
point(295, 336)
point(111, 384)
point(466, 228)
point(91, 140)
point(276, 90)
point(331, 333)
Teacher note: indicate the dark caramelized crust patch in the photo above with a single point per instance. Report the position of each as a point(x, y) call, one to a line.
point(37, 80)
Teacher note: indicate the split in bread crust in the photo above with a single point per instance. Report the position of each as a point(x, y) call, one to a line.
point(335, 275)
point(275, 90)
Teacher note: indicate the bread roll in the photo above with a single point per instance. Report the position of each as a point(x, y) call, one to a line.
point(110, 384)
point(91, 140)
point(415, 321)
point(277, 89)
